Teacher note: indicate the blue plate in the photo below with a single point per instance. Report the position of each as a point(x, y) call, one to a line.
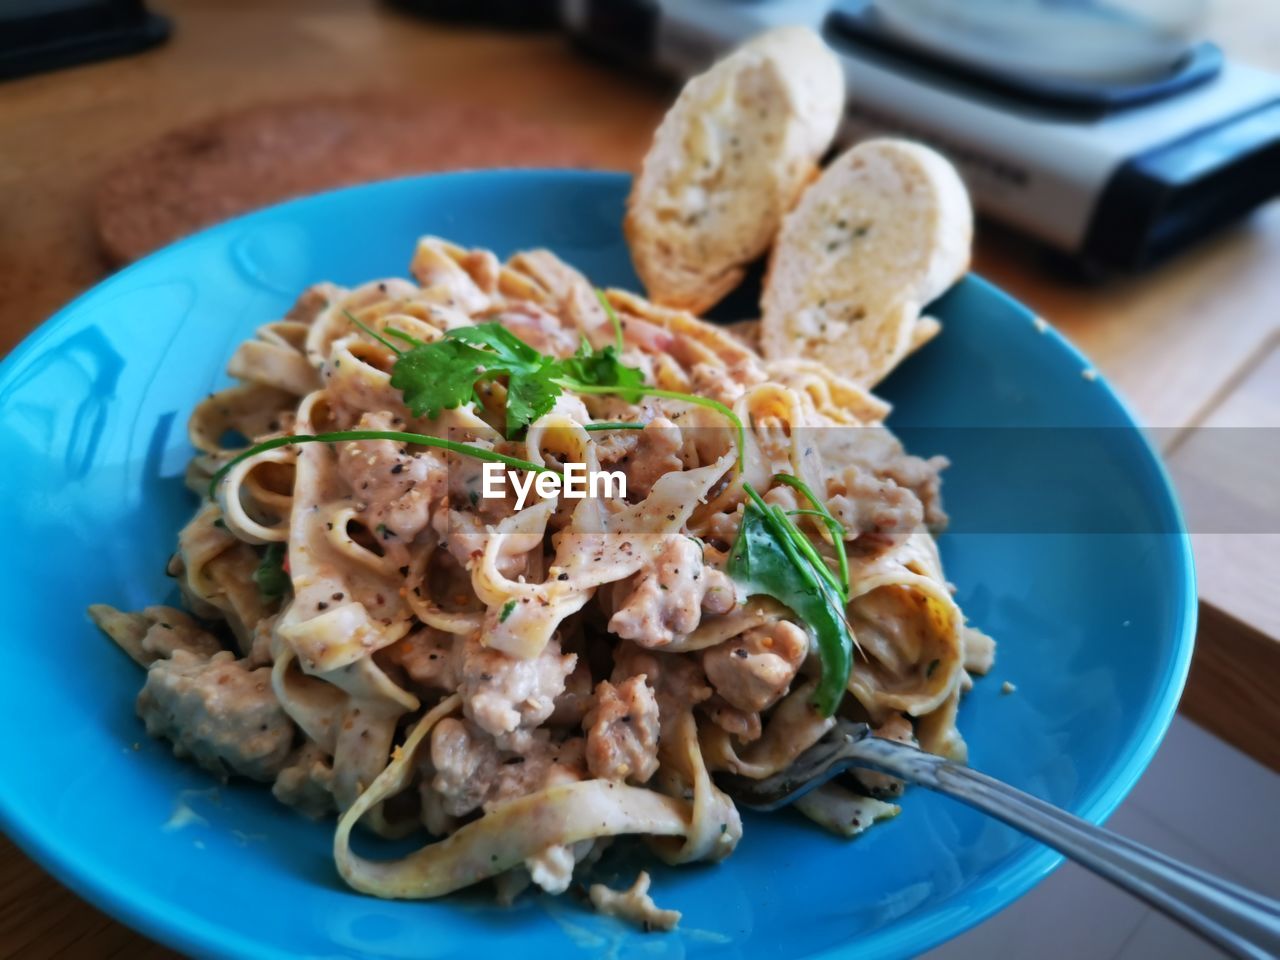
point(1089, 589)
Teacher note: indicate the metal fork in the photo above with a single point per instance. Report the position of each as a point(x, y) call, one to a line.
point(1241, 922)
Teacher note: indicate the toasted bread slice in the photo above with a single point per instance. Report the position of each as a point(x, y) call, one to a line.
point(884, 230)
point(728, 161)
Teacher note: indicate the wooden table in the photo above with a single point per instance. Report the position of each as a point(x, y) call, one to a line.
point(1195, 343)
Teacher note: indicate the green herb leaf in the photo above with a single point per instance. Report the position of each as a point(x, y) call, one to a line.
point(439, 376)
point(612, 314)
point(506, 611)
point(270, 577)
point(601, 369)
point(529, 396)
point(373, 333)
point(767, 559)
point(834, 526)
point(443, 374)
point(612, 425)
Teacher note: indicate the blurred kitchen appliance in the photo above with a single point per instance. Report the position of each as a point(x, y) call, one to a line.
point(1111, 137)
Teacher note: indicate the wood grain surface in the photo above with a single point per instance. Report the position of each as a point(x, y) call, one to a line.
point(1191, 343)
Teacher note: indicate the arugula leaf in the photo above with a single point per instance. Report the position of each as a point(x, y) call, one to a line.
point(270, 577)
point(766, 559)
point(834, 526)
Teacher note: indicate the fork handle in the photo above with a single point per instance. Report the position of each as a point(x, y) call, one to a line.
point(1241, 922)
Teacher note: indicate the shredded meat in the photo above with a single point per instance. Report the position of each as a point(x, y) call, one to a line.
point(710, 380)
point(541, 763)
point(888, 491)
point(622, 731)
point(677, 680)
point(670, 594)
point(260, 647)
point(572, 705)
point(312, 300)
point(218, 712)
point(504, 695)
point(155, 633)
point(752, 671)
point(469, 771)
point(633, 905)
point(429, 657)
point(541, 330)
point(306, 782)
point(465, 761)
point(657, 452)
point(743, 724)
point(616, 447)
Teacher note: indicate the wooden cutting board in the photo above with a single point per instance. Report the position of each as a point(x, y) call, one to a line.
point(219, 167)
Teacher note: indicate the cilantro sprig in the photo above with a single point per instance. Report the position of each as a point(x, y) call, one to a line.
point(447, 372)
point(771, 556)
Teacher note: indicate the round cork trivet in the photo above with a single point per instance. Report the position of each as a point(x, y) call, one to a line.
point(220, 167)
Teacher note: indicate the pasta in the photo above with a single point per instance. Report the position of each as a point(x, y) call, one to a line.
point(378, 641)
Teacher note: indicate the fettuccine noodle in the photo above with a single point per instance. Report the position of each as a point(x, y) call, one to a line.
point(526, 685)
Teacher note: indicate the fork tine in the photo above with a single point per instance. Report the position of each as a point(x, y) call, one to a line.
point(825, 759)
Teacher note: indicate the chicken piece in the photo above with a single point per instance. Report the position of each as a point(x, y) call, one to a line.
point(622, 731)
point(465, 761)
point(312, 300)
point(657, 452)
point(677, 680)
point(743, 724)
point(259, 654)
point(710, 380)
point(538, 328)
point(752, 671)
point(506, 696)
point(670, 594)
point(541, 763)
point(155, 633)
point(633, 905)
point(429, 657)
point(887, 490)
point(223, 715)
point(572, 705)
point(306, 782)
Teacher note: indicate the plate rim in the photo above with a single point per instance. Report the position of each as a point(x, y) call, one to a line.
point(153, 916)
